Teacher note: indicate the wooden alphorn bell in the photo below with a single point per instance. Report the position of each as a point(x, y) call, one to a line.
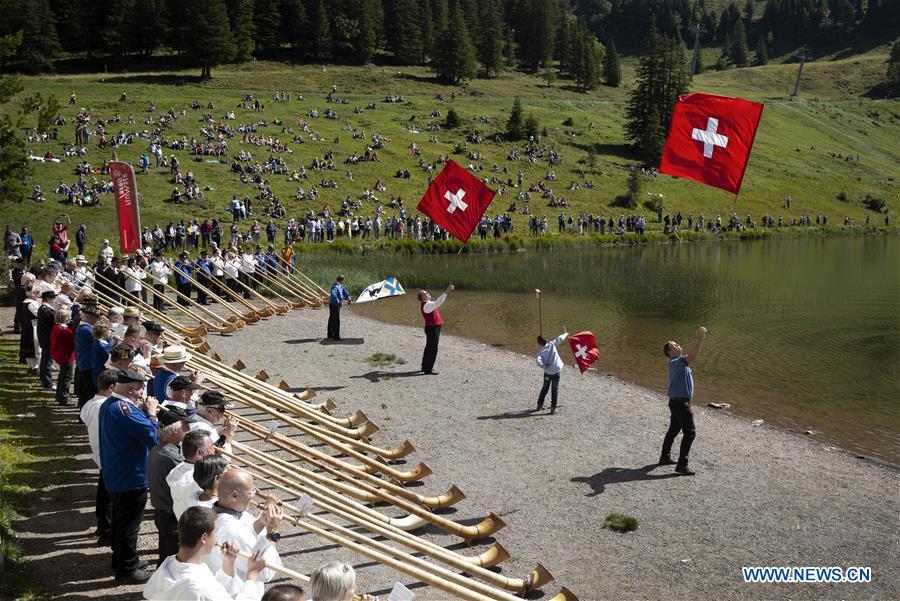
point(236, 315)
point(487, 527)
point(237, 324)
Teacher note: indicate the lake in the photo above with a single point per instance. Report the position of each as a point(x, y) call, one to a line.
point(803, 333)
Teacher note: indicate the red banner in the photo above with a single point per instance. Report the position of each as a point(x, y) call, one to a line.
point(126, 206)
point(710, 139)
point(456, 200)
point(584, 347)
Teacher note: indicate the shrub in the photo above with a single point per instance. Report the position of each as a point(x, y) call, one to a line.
point(453, 120)
point(569, 122)
point(842, 196)
point(874, 203)
point(620, 523)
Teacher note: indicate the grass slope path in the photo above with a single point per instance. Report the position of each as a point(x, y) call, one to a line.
point(761, 496)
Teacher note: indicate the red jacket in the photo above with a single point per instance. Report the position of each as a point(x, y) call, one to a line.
point(62, 344)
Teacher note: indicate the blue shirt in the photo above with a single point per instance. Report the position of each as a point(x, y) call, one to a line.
point(184, 267)
point(126, 437)
point(99, 357)
point(548, 357)
point(338, 295)
point(681, 382)
point(84, 343)
point(162, 379)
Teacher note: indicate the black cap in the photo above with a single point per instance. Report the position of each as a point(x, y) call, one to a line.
point(48, 294)
point(130, 376)
point(214, 398)
point(152, 326)
point(170, 414)
point(183, 383)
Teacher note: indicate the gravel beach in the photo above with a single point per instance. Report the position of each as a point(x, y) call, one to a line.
point(761, 497)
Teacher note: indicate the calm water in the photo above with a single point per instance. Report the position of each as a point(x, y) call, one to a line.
point(804, 333)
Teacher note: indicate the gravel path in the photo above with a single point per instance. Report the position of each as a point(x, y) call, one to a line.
point(761, 496)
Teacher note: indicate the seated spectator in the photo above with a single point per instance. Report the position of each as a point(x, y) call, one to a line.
point(185, 576)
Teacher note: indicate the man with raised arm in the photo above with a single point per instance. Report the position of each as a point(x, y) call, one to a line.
point(433, 323)
point(681, 390)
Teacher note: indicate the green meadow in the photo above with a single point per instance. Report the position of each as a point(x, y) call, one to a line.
point(790, 155)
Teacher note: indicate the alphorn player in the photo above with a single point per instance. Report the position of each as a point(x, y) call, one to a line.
point(185, 575)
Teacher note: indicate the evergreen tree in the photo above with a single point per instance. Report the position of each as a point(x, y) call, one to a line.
point(587, 61)
point(405, 34)
point(294, 26)
point(612, 72)
point(892, 77)
point(243, 29)
point(453, 121)
point(39, 44)
point(748, 12)
point(455, 54)
point(440, 13)
point(515, 126)
point(662, 75)
point(509, 48)
point(321, 32)
point(532, 127)
point(208, 22)
point(740, 54)
point(148, 27)
point(762, 53)
point(538, 33)
point(267, 18)
point(491, 38)
point(368, 30)
point(426, 25)
point(632, 196)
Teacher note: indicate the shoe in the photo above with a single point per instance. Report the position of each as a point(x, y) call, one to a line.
point(138, 576)
point(684, 470)
point(337, 338)
point(666, 460)
point(143, 564)
point(552, 410)
point(431, 373)
point(539, 408)
point(103, 540)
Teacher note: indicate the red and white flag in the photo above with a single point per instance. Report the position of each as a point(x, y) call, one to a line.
point(584, 347)
point(710, 139)
point(456, 200)
point(126, 206)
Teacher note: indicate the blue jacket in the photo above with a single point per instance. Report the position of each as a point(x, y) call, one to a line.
point(126, 437)
point(99, 357)
point(338, 295)
point(84, 344)
point(162, 379)
point(186, 268)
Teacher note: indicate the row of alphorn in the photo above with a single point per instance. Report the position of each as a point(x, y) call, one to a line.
point(345, 485)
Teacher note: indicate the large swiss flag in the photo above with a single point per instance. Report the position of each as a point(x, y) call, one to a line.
point(710, 139)
point(456, 200)
point(584, 347)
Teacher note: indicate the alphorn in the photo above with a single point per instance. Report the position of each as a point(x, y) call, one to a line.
point(306, 299)
point(302, 291)
point(271, 307)
point(296, 272)
point(288, 303)
point(284, 278)
point(437, 576)
point(194, 303)
point(449, 498)
point(251, 318)
point(487, 527)
point(225, 328)
point(263, 391)
point(159, 316)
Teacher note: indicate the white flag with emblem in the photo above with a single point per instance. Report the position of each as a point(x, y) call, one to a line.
point(382, 289)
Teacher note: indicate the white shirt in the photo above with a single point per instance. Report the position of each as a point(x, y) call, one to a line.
point(248, 263)
point(204, 424)
point(175, 580)
point(434, 304)
point(106, 252)
point(218, 264)
point(182, 486)
point(239, 530)
point(548, 358)
point(90, 415)
point(160, 272)
point(231, 267)
point(133, 279)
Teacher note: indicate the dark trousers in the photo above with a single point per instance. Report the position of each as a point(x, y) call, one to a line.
point(103, 509)
point(432, 337)
point(682, 420)
point(334, 321)
point(63, 382)
point(84, 386)
point(184, 289)
point(201, 295)
point(167, 525)
point(551, 383)
point(45, 365)
point(159, 295)
point(127, 514)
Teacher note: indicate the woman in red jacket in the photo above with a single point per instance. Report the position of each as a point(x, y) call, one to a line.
point(62, 349)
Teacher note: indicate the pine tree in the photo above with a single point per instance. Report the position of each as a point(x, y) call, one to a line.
point(243, 28)
point(762, 53)
point(515, 126)
point(453, 121)
point(426, 25)
point(405, 33)
point(40, 43)
point(538, 35)
point(148, 27)
point(455, 54)
point(740, 54)
point(892, 77)
point(662, 75)
point(368, 30)
point(294, 26)
point(267, 18)
point(321, 33)
point(612, 72)
point(532, 127)
point(491, 38)
point(208, 22)
point(510, 48)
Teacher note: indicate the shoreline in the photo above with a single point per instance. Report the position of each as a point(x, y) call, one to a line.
point(762, 496)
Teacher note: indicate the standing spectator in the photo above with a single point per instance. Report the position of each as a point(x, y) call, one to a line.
point(62, 349)
point(128, 430)
point(90, 417)
point(27, 245)
point(433, 323)
point(46, 318)
point(12, 243)
point(549, 360)
point(81, 238)
point(681, 390)
point(339, 294)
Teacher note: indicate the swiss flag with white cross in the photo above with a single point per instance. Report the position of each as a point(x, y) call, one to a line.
point(584, 347)
point(456, 200)
point(710, 139)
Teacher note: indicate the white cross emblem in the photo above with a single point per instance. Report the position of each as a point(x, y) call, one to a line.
point(709, 137)
point(581, 351)
point(456, 200)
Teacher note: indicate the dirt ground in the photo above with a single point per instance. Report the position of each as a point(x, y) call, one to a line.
point(761, 497)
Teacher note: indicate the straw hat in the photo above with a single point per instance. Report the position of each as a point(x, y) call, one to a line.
point(175, 354)
point(133, 312)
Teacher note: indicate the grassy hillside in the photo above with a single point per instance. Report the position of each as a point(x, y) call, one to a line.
point(839, 120)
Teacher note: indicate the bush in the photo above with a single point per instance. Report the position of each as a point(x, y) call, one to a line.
point(569, 122)
point(874, 203)
point(842, 196)
point(453, 120)
point(620, 523)
point(654, 204)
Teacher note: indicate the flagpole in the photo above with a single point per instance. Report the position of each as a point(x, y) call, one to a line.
point(537, 293)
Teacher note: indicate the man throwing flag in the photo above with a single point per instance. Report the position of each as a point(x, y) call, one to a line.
point(549, 360)
point(433, 323)
point(681, 390)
